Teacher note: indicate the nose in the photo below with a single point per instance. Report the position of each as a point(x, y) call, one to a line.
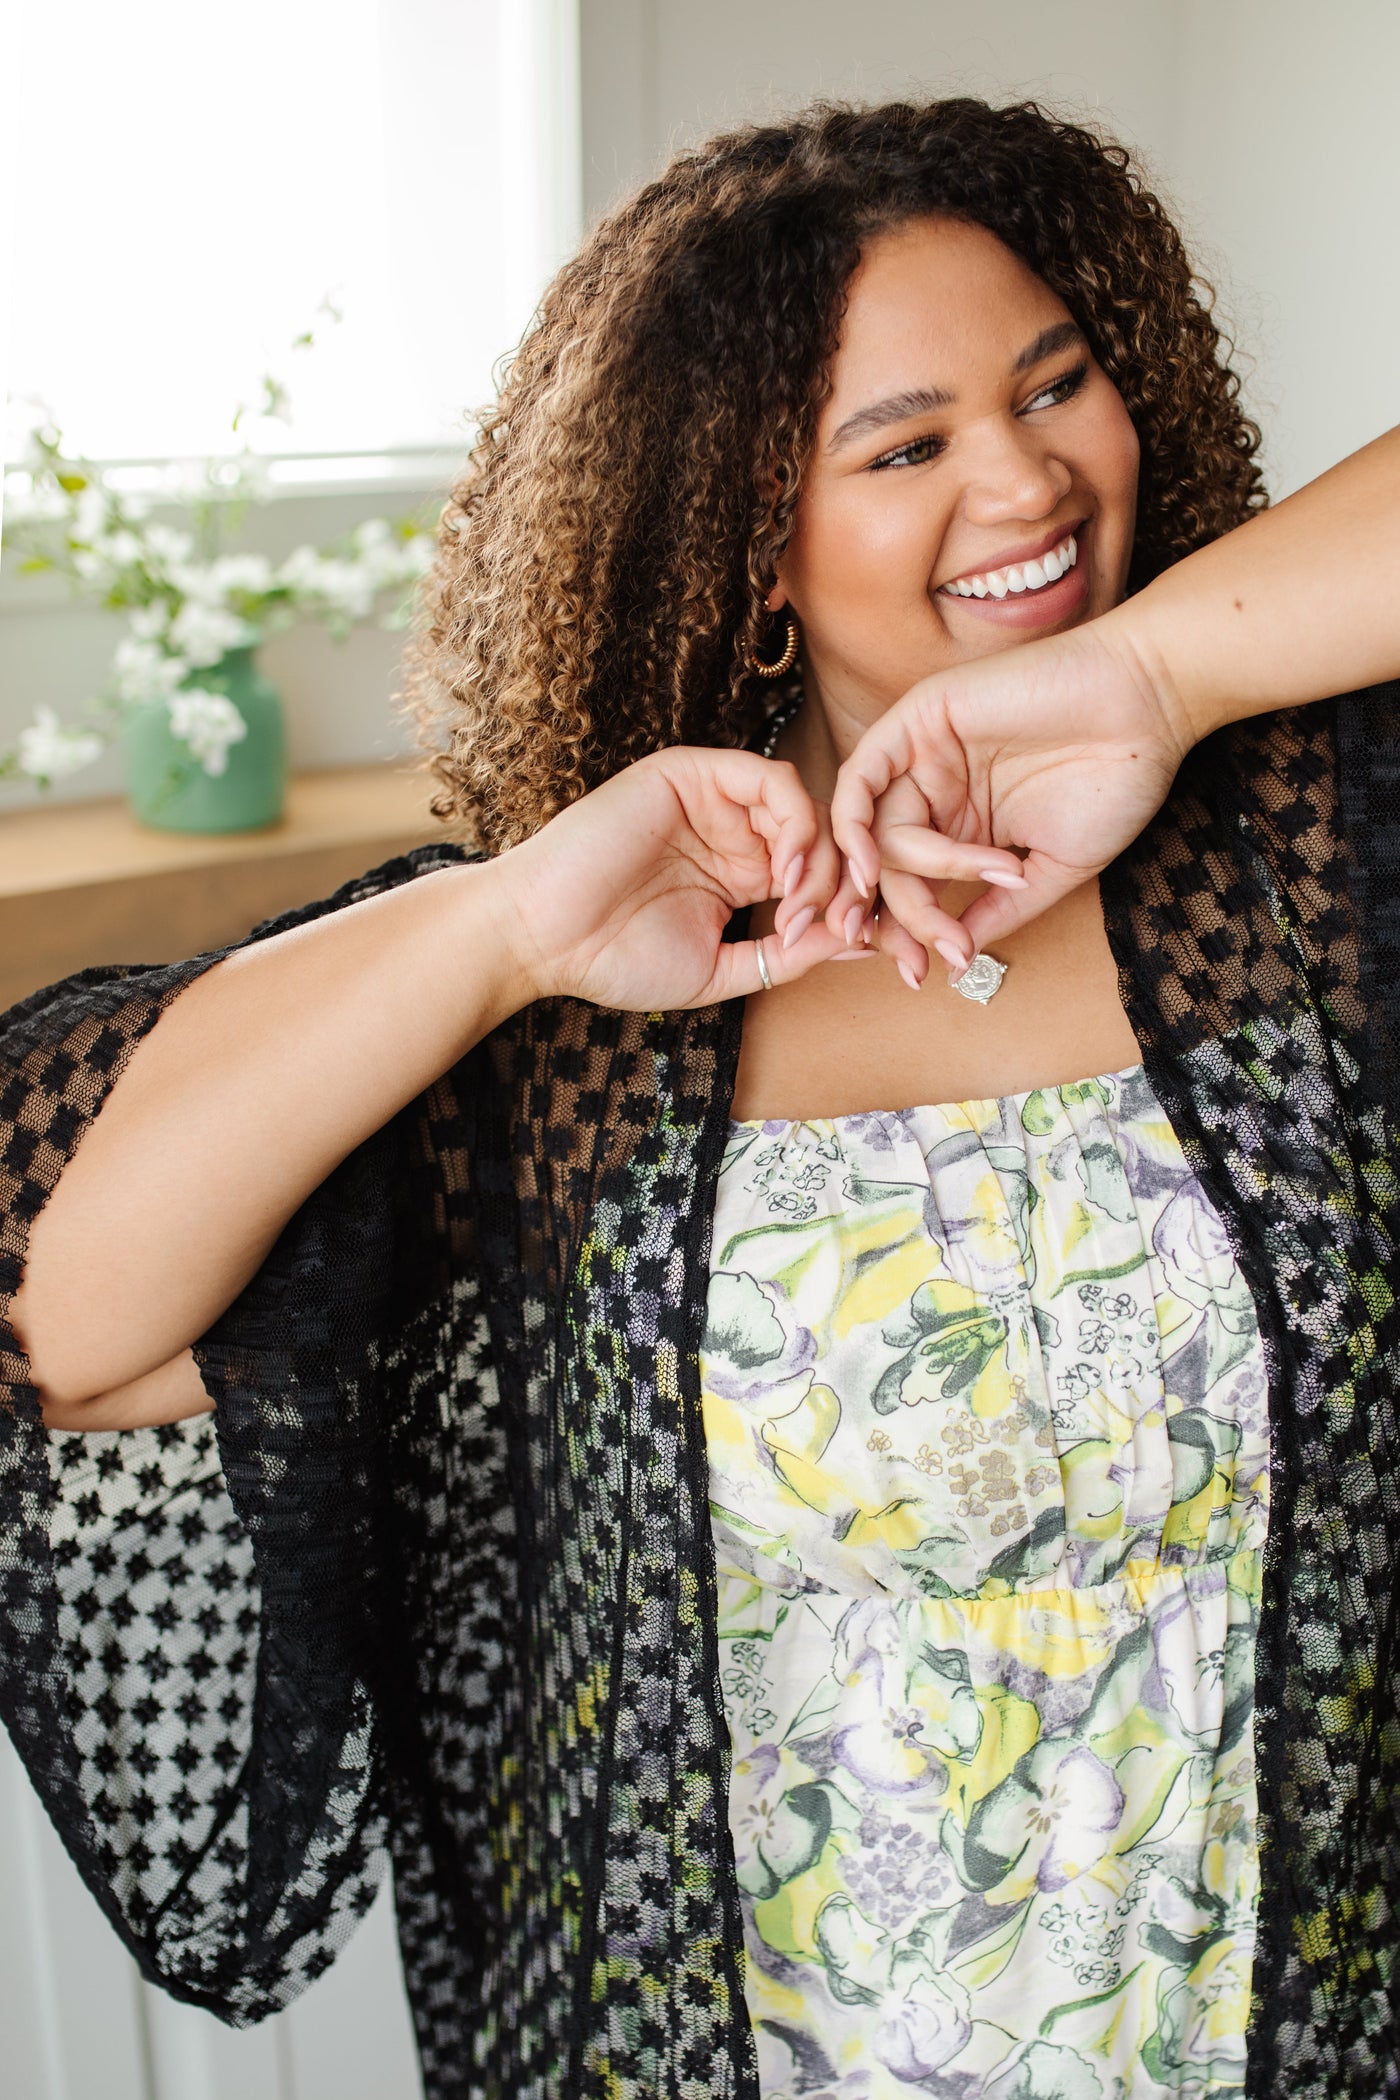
point(1011, 474)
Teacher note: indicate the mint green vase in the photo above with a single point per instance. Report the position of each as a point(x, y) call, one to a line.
point(166, 784)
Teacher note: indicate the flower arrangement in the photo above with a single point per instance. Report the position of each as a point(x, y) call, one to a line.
point(189, 600)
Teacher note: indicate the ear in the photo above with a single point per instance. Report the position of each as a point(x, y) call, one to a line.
point(777, 598)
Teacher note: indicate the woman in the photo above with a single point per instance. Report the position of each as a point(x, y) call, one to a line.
point(957, 1407)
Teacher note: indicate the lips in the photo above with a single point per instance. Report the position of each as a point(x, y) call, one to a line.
point(1004, 567)
point(1027, 595)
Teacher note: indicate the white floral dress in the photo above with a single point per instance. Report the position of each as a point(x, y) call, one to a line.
point(986, 1417)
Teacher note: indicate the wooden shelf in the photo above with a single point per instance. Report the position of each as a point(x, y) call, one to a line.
point(85, 883)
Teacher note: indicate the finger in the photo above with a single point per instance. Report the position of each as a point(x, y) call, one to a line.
point(788, 819)
point(998, 912)
point(737, 973)
point(893, 939)
point(914, 905)
point(810, 883)
point(916, 850)
point(863, 778)
point(848, 909)
point(779, 809)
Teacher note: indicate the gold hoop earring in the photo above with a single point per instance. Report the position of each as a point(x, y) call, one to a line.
point(784, 663)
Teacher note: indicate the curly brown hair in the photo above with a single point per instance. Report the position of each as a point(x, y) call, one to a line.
point(603, 561)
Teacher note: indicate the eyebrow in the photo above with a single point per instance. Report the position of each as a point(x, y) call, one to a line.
point(922, 400)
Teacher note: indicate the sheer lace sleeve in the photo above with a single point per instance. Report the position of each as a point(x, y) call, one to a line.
point(191, 1617)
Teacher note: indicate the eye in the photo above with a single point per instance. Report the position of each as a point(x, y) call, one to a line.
point(917, 453)
point(1062, 389)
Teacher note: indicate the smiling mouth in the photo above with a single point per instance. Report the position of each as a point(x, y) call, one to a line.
point(1018, 577)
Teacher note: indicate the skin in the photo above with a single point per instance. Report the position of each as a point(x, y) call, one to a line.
point(1032, 441)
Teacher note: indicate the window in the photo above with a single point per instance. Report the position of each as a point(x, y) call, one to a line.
point(188, 182)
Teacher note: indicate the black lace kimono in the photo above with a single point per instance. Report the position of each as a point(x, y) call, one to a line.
point(436, 1579)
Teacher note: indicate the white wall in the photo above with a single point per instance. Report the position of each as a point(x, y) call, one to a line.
point(1268, 124)
point(1286, 156)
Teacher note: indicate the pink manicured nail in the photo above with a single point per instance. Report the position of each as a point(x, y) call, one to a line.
point(1002, 880)
point(798, 925)
point(858, 879)
point(797, 868)
point(954, 957)
point(856, 955)
point(851, 925)
point(906, 971)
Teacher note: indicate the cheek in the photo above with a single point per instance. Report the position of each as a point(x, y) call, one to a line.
point(860, 543)
point(1116, 458)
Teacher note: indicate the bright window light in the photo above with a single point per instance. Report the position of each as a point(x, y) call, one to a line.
point(190, 181)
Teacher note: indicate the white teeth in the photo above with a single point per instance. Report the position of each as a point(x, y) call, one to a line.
point(1019, 576)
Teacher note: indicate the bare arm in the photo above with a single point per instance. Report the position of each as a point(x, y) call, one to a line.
point(172, 1393)
point(1298, 603)
point(258, 1079)
point(266, 1071)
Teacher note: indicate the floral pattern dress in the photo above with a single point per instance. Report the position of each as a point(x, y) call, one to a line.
point(986, 1417)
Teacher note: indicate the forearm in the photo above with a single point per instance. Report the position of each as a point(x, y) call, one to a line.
point(1300, 602)
point(253, 1085)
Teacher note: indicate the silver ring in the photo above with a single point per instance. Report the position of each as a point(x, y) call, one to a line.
point(764, 978)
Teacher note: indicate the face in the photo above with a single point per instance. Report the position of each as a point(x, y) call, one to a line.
point(969, 436)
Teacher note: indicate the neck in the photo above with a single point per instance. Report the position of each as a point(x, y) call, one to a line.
point(819, 739)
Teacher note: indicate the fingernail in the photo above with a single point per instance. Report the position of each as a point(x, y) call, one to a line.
point(954, 957)
point(906, 971)
point(796, 869)
point(856, 955)
point(858, 879)
point(851, 925)
point(1002, 880)
point(798, 926)
point(867, 931)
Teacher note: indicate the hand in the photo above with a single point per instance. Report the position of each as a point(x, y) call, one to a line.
point(1063, 748)
point(623, 898)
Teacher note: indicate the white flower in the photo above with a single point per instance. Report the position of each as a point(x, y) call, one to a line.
point(387, 560)
point(121, 549)
point(203, 633)
point(151, 621)
point(196, 582)
point(47, 750)
point(372, 536)
point(208, 723)
point(298, 571)
point(251, 573)
point(90, 514)
point(144, 671)
point(166, 546)
point(346, 588)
